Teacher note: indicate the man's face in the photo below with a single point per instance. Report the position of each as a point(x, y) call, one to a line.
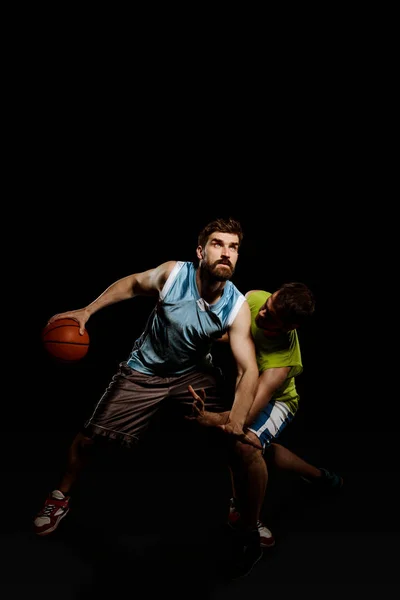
point(219, 255)
point(269, 320)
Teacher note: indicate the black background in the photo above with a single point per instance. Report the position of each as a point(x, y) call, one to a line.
point(114, 168)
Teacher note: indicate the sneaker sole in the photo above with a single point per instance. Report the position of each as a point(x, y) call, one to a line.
point(51, 529)
point(267, 544)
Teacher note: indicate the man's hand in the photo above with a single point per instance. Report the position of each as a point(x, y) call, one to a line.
point(81, 316)
point(205, 417)
point(219, 420)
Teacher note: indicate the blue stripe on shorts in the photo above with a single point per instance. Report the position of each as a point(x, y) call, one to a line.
point(271, 422)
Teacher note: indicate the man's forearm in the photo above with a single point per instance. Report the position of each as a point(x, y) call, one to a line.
point(244, 395)
point(255, 410)
point(116, 292)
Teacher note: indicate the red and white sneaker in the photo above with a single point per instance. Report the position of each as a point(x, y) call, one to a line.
point(234, 514)
point(55, 508)
point(267, 540)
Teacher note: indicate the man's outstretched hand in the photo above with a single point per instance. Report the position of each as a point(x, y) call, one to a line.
point(220, 420)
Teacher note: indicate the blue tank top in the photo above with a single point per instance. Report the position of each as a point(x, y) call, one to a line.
point(182, 327)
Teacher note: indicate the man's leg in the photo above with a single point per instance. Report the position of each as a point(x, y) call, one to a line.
point(56, 506)
point(250, 477)
point(246, 463)
point(287, 460)
point(116, 416)
point(78, 457)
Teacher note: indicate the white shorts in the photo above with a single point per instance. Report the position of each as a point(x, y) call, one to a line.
point(272, 421)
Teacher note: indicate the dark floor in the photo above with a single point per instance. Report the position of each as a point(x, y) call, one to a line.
point(161, 534)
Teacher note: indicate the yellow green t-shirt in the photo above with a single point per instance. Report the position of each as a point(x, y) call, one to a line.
point(282, 350)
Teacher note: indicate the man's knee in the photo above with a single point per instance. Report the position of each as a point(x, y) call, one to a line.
point(81, 442)
point(248, 453)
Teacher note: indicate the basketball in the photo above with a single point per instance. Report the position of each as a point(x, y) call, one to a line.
point(63, 342)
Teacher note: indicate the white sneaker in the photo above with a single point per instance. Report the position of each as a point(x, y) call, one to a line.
point(267, 540)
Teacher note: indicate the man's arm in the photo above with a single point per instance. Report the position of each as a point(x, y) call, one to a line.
point(242, 347)
point(147, 283)
point(268, 383)
point(225, 336)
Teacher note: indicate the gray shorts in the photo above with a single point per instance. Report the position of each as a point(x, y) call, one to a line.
point(132, 399)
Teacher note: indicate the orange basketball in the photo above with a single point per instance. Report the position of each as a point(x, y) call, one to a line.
point(62, 340)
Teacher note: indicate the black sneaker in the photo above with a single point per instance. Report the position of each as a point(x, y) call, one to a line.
point(247, 553)
point(330, 481)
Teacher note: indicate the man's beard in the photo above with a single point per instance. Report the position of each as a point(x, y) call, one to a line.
point(218, 272)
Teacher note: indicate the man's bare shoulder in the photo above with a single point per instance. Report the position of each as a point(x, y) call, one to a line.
point(155, 278)
point(168, 266)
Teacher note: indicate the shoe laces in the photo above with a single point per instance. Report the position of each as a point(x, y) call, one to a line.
point(260, 524)
point(47, 510)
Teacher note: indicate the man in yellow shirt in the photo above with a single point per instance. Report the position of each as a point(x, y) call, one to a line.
point(275, 318)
